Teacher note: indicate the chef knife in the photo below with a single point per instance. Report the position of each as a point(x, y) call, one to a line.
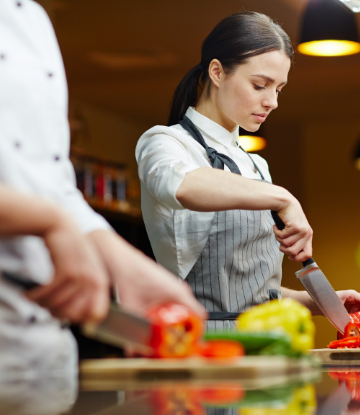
point(119, 328)
point(320, 289)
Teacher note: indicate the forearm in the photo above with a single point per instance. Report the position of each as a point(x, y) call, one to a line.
point(303, 298)
point(117, 254)
point(207, 190)
point(25, 215)
point(140, 282)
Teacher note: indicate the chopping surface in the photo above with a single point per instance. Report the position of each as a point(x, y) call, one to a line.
point(245, 368)
point(304, 393)
point(338, 357)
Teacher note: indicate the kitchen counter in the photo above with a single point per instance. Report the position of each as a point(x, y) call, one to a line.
point(320, 391)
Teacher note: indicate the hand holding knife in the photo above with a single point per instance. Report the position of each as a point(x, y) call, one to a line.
point(172, 330)
point(320, 289)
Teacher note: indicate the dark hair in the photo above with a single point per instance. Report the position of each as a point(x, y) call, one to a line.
point(232, 41)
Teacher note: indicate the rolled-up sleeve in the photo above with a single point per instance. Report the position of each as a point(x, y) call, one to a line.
point(163, 163)
point(74, 203)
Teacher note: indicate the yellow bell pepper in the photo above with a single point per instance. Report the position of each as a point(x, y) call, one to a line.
point(287, 316)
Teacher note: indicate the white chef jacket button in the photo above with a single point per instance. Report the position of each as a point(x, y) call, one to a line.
point(18, 3)
point(56, 158)
point(32, 319)
point(17, 144)
point(2, 56)
point(50, 74)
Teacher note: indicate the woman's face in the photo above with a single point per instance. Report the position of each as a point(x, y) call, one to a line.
point(248, 95)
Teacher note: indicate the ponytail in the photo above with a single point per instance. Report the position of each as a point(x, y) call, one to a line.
point(185, 94)
point(235, 39)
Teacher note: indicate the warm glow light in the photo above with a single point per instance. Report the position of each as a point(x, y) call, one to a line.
point(251, 143)
point(329, 48)
point(357, 163)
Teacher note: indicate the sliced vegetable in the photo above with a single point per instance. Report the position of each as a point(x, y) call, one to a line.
point(265, 342)
point(352, 328)
point(345, 343)
point(221, 349)
point(176, 331)
point(286, 316)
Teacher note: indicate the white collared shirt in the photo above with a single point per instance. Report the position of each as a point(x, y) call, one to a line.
point(165, 155)
point(34, 130)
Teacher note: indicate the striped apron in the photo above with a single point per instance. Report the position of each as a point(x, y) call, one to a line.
point(240, 265)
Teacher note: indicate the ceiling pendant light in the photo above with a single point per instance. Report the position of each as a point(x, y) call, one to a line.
point(251, 142)
point(353, 5)
point(328, 29)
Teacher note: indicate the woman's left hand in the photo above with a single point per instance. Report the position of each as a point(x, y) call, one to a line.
point(350, 299)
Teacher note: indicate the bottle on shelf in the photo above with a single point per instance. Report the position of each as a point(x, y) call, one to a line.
point(89, 188)
point(104, 184)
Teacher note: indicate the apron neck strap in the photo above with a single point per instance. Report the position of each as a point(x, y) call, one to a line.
point(253, 162)
point(217, 160)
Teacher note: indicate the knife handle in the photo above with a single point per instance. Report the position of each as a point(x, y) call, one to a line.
point(280, 225)
point(20, 281)
point(278, 222)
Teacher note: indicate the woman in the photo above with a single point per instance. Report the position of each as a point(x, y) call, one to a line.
point(206, 202)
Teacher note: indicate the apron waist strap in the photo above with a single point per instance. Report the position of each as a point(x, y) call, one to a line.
point(222, 315)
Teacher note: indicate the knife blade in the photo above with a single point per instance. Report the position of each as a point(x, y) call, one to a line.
point(120, 328)
point(319, 288)
point(324, 295)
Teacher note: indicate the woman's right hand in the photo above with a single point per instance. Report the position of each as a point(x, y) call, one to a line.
point(296, 238)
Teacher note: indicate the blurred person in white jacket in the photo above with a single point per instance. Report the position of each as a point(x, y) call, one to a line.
point(48, 233)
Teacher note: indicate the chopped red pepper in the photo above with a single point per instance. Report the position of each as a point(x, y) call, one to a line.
point(346, 342)
point(176, 330)
point(352, 328)
point(221, 349)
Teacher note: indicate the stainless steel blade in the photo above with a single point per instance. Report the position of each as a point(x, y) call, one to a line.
point(321, 291)
point(122, 329)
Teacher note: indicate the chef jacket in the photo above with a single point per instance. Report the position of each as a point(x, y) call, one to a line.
point(34, 139)
point(165, 155)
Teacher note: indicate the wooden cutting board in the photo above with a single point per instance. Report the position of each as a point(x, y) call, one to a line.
point(338, 357)
point(248, 367)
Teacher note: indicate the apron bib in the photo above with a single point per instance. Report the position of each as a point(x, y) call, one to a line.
point(240, 265)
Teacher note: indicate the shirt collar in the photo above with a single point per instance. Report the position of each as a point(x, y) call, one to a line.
point(212, 129)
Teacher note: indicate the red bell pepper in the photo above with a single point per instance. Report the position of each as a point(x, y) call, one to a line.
point(221, 349)
point(176, 331)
